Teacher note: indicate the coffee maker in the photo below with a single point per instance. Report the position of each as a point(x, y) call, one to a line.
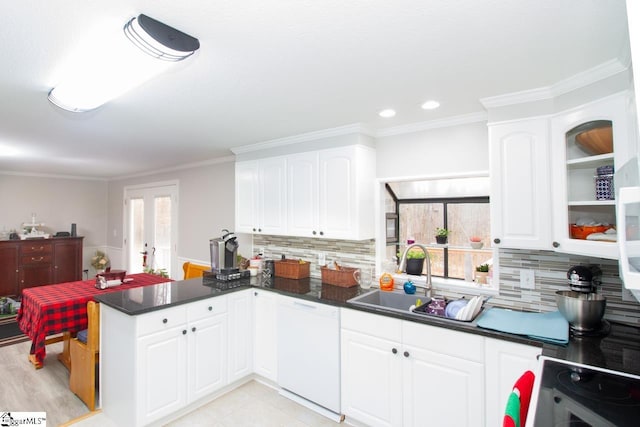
point(224, 251)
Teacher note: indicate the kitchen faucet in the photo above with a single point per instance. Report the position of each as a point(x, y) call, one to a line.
point(403, 260)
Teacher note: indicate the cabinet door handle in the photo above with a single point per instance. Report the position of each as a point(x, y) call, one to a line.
point(406, 354)
point(556, 244)
point(193, 329)
point(394, 350)
point(254, 229)
point(164, 320)
point(210, 308)
point(314, 232)
point(255, 293)
point(184, 332)
point(496, 241)
point(259, 230)
point(322, 233)
point(37, 259)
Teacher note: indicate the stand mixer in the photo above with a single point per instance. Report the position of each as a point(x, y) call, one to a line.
point(582, 306)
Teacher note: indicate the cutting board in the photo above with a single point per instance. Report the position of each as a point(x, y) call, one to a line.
point(551, 327)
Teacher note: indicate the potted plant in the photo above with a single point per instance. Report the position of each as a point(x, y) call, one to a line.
point(415, 262)
point(441, 235)
point(482, 272)
point(475, 242)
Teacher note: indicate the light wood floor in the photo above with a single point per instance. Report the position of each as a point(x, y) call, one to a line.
point(25, 389)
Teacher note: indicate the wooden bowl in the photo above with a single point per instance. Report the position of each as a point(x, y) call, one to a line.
point(596, 141)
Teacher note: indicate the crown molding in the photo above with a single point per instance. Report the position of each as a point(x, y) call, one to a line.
point(209, 162)
point(434, 124)
point(577, 81)
point(305, 137)
point(51, 175)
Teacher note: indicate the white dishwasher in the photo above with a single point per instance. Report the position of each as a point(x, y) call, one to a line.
point(309, 351)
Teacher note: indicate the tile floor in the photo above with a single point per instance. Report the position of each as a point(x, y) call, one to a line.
point(250, 405)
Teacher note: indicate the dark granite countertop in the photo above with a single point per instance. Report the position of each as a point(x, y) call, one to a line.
point(619, 350)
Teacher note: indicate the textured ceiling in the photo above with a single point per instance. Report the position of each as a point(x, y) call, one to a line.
point(270, 69)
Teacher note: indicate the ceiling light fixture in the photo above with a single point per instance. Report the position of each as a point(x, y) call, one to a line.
point(121, 66)
point(430, 105)
point(387, 113)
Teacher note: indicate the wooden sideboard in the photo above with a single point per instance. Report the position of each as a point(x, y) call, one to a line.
point(36, 262)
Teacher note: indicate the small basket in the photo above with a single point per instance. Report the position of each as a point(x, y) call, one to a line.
point(292, 269)
point(343, 277)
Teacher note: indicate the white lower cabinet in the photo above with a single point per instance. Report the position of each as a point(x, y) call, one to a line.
point(396, 372)
point(505, 363)
point(154, 364)
point(265, 334)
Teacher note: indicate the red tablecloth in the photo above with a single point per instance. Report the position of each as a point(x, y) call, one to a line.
point(53, 309)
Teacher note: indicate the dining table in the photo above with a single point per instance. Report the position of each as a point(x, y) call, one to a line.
point(54, 313)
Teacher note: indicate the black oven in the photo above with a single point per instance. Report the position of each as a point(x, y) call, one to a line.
point(576, 395)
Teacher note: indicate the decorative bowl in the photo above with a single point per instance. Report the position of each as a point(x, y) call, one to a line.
point(596, 141)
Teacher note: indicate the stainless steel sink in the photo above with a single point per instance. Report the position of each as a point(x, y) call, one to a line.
point(393, 301)
point(397, 302)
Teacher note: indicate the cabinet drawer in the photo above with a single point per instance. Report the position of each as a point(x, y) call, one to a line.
point(36, 259)
point(162, 320)
point(371, 324)
point(36, 248)
point(206, 308)
point(445, 341)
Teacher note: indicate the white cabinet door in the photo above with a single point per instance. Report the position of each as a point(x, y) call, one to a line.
point(161, 372)
point(302, 194)
point(371, 379)
point(505, 362)
point(207, 356)
point(246, 196)
point(441, 390)
point(260, 190)
point(265, 334)
point(240, 334)
point(272, 196)
point(346, 188)
point(573, 171)
point(520, 188)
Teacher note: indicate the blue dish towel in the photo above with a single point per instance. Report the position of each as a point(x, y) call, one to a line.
point(551, 327)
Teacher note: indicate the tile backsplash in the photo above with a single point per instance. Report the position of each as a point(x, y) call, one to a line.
point(352, 253)
point(550, 272)
point(551, 276)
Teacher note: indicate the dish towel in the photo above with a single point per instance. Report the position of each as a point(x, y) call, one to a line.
point(550, 327)
point(518, 403)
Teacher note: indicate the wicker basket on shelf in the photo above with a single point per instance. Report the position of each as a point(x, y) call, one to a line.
point(292, 269)
point(343, 277)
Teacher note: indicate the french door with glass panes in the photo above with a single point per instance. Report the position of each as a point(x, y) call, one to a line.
point(151, 228)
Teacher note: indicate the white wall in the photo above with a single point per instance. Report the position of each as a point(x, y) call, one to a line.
point(206, 206)
point(57, 202)
point(442, 151)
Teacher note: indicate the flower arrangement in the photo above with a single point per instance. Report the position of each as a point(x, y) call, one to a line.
point(100, 261)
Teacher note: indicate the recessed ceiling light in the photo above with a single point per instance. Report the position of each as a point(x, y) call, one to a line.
point(430, 105)
point(387, 113)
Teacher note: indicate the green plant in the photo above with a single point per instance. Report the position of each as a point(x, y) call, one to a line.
point(484, 268)
point(160, 272)
point(417, 254)
point(442, 232)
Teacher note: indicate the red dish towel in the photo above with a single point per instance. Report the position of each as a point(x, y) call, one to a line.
point(518, 403)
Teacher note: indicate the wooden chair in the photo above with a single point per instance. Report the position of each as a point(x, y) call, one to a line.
point(194, 270)
point(84, 359)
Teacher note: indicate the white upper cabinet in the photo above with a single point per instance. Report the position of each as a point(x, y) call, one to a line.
point(261, 196)
point(330, 193)
point(326, 193)
point(575, 175)
point(520, 198)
